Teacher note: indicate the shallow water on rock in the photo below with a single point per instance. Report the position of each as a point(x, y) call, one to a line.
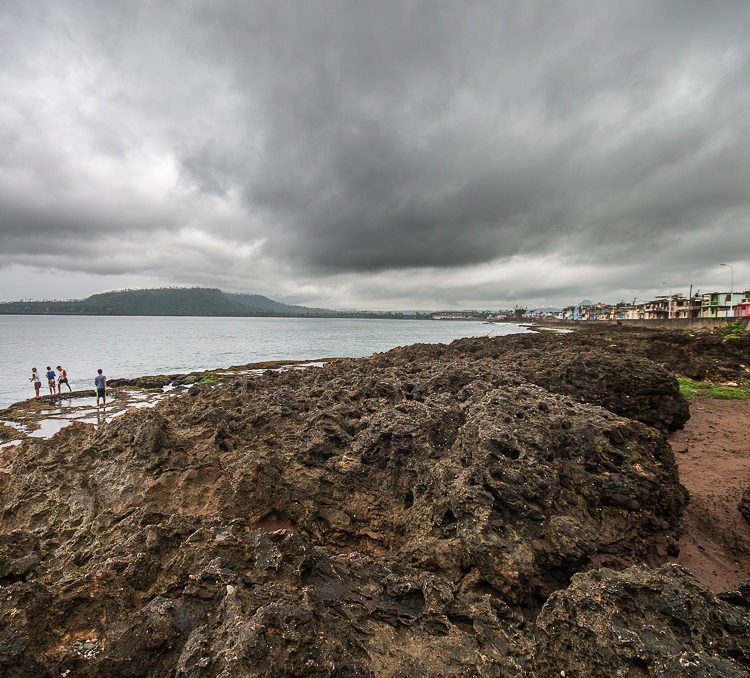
point(48, 427)
point(43, 419)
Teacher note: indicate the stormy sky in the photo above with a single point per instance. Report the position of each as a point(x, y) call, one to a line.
point(375, 154)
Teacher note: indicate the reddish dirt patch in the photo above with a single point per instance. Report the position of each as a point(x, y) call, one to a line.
point(713, 455)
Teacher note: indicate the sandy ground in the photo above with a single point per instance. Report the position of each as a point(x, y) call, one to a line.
point(713, 455)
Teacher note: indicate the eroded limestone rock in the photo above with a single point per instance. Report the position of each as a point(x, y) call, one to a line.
point(641, 622)
point(406, 514)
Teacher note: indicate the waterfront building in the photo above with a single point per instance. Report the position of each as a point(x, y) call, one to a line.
point(742, 310)
point(721, 304)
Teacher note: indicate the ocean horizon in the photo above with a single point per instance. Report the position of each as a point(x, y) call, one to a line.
point(133, 346)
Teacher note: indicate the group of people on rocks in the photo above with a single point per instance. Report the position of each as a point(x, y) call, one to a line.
point(100, 382)
point(60, 378)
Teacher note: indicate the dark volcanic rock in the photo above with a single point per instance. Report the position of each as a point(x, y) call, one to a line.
point(633, 387)
point(606, 374)
point(641, 622)
point(406, 514)
point(222, 600)
point(701, 356)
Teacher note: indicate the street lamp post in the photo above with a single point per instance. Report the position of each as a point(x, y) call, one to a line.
point(731, 289)
point(669, 315)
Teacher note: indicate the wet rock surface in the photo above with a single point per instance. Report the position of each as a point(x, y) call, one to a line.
point(403, 515)
point(159, 381)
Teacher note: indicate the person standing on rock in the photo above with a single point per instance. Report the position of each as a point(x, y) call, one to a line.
point(62, 378)
point(51, 380)
point(100, 381)
point(36, 379)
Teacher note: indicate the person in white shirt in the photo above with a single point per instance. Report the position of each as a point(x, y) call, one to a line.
point(62, 378)
point(36, 379)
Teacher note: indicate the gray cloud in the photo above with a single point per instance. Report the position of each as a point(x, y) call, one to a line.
point(379, 153)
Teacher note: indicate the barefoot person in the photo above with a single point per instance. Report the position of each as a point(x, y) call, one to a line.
point(51, 380)
point(100, 381)
point(36, 379)
point(62, 378)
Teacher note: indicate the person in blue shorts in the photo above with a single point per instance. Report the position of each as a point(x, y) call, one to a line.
point(100, 381)
point(51, 380)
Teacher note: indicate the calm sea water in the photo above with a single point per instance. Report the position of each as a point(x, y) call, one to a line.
point(135, 346)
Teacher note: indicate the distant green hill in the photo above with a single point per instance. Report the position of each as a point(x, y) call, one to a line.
point(199, 301)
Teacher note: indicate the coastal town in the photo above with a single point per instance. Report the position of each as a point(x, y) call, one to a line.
point(714, 305)
point(708, 305)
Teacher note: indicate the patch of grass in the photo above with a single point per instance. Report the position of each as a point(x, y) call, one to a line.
point(209, 379)
point(688, 389)
point(707, 389)
point(729, 392)
point(732, 330)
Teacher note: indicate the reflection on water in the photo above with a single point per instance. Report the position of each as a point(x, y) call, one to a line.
point(48, 427)
point(46, 422)
point(10, 443)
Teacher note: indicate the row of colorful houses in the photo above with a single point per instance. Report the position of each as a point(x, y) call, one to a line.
point(708, 305)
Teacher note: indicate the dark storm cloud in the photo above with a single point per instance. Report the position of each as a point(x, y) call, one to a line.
point(448, 135)
point(336, 141)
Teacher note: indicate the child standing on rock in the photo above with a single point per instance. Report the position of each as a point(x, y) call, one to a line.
point(100, 381)
point(51, 380)
point(36, 379)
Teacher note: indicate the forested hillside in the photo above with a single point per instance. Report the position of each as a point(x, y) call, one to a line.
point(197, 301)
point(167, 301)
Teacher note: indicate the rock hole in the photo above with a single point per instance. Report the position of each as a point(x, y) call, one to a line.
point(449, 519)
point(501, 447)
point(273, 522)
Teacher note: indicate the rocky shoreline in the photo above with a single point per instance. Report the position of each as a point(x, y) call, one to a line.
point(493, 507)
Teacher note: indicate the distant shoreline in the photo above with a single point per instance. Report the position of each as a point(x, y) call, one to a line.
point(187, 302)
point(364, 315)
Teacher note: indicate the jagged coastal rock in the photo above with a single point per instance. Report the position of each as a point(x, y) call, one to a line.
point(643, 622)
point(430, 511)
